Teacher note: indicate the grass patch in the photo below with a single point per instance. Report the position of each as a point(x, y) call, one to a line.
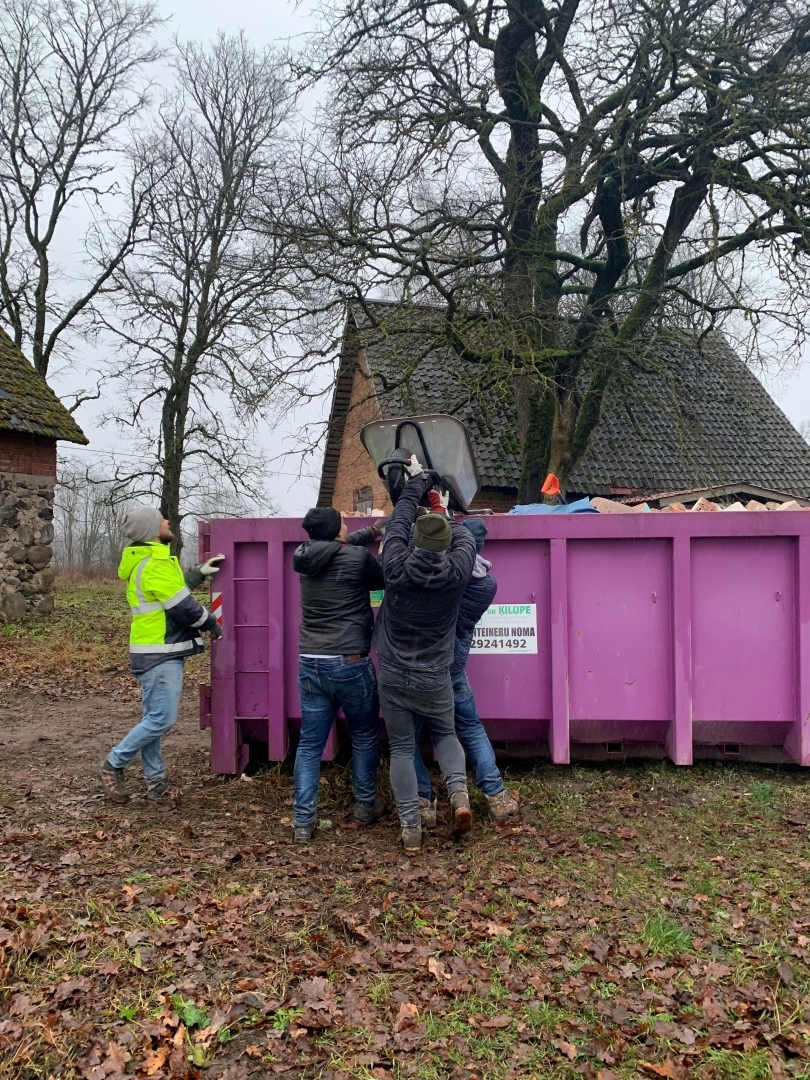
point(731, 1065)
point(663, 936)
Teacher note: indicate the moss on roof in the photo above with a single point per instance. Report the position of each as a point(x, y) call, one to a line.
point(27, 403)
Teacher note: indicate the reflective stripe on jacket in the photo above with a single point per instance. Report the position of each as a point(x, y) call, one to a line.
point(167, 622)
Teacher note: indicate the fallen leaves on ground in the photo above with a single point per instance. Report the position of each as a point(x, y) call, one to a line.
point(639, 921)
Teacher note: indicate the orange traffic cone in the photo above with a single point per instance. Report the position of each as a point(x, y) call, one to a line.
point(551, 485)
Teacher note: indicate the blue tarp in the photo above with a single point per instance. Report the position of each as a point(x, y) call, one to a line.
point(581, 506)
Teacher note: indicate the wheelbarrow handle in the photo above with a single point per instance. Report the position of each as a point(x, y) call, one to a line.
point(398, 461)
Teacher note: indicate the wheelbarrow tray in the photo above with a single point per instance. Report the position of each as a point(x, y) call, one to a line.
point(444, 446)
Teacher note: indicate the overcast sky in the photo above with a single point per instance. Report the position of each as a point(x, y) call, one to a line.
point(279, 22)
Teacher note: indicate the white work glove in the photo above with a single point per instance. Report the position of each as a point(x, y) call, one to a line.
point(210, 567)
point(444, 499)
point(413, 468)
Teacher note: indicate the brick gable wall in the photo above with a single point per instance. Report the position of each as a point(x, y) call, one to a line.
point(355, 469)
point(31, 455)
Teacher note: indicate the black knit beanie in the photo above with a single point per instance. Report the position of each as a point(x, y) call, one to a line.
point(479, 530)
point(322, 523)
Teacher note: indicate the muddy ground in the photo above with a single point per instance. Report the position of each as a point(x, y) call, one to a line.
point(638, 921)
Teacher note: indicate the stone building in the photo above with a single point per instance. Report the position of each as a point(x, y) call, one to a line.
point(32, 419)
point(693, 420)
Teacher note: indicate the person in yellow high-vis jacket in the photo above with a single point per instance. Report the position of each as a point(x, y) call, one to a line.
point(167, 626)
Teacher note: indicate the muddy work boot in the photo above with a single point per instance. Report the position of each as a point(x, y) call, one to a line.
point(304, 833)
point(427, 812)
point(502, 806)
point(112, 780)
point(460, 812)
point(365, 814)
point(164, 791)
point(412, 838)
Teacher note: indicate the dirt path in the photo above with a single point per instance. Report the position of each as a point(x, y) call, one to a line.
point(637, 921)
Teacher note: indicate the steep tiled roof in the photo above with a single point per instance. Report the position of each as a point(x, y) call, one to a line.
point(27, 403)
point(693, 416)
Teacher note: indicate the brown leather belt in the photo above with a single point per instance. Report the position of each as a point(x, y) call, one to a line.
point(354, 658)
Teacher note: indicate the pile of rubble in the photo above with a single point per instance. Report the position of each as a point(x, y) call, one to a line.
point(608, 506)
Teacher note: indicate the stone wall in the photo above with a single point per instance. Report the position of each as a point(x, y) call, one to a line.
point(26, 532)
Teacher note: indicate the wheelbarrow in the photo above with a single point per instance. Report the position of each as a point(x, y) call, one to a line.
point(440, 442)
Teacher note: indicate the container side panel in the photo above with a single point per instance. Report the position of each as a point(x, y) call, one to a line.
point(252, 648)
point(511, 686)
point(250, 560)
point(277, 730)
point(743, 629)
point(620, 630)
point(797, 741)
point(252, 695)
point(292, 622)
point(251, 606)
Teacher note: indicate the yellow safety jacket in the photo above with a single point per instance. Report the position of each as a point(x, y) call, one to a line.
point(167, 622)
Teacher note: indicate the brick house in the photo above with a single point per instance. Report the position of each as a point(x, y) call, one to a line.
point(32, 419)
point(694, 420)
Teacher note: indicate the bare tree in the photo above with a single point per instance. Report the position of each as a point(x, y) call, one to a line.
point(197, 308)
point(560, 179)
point(71, 80)
point(87, 518)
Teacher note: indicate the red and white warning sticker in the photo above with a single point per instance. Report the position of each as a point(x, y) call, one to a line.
point(216, 606)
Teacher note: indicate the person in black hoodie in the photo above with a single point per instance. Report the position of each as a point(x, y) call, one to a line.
point(334, 669)
point(415, 637)
point(475, 600)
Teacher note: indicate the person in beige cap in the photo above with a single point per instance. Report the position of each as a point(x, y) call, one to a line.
point(414, 636)
point(167, 626)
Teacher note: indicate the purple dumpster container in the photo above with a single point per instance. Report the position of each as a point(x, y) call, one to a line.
point(667, 634)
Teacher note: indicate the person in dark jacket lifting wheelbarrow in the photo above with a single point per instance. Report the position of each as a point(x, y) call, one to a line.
point(475, 600)
point(334, 668)
point(414, 637)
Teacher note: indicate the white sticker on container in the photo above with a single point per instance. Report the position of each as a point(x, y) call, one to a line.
point(510, 628)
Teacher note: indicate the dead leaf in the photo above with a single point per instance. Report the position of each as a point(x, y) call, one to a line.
point(785, 972)
point(155, 1060)
point(109, 967)
point(502, 1021)
point(406, 1015)
point(566, 1048)
point(669, 1069)
point(254, 1051)
point(71, 986)
point(607, 1074)
point(498, 930)
point(117, 1058)
point(559, 901)
point(436, 967)
point(716, 970)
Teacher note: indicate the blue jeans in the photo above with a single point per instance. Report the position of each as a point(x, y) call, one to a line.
point(161, 687)
point(324, 687)
point(472, 737)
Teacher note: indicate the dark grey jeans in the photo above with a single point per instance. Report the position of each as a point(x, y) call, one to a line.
point(428, 694)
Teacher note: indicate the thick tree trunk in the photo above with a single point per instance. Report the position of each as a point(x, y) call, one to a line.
point(535, 416)
point(561, 442)
point(173, 426)
point(170, 498)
